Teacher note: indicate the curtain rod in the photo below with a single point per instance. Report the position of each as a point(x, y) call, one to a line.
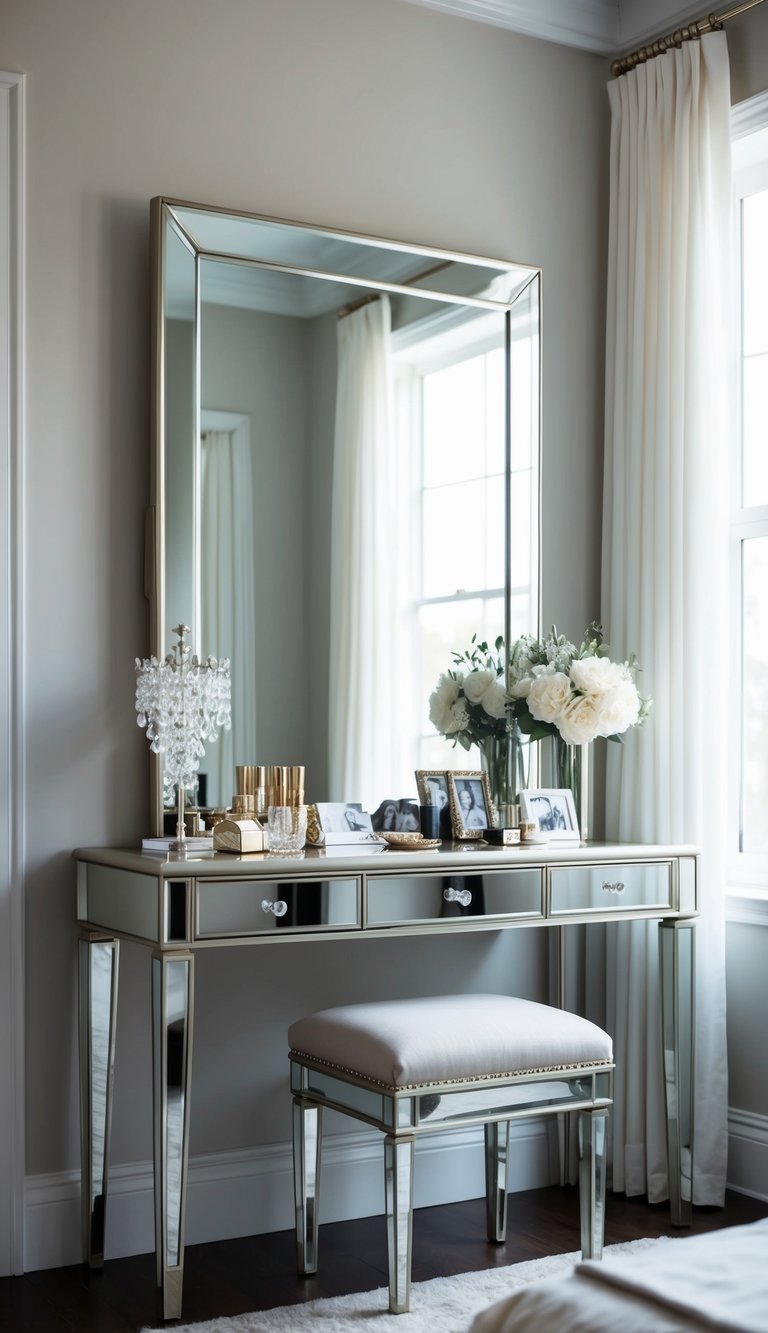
point(408, 282)
point(690, 32)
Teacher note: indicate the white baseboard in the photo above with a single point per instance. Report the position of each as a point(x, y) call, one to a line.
point(251, 1192)
point(748, 1153)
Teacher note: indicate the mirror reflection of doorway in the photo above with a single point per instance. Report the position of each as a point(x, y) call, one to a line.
point(227, 585)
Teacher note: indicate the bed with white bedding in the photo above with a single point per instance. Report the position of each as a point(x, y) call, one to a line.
point(718, 1280)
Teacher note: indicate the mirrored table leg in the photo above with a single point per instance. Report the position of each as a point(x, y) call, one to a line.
point(172, 1003)
point(398, 1194)
point(97, 1001)
point(677, 958)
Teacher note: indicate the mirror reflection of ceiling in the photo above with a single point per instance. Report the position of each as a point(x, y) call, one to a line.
point(288, 260)
point(608, 27)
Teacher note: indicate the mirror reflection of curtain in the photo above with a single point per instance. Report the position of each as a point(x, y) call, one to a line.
point(228, 604)
point(364, 650)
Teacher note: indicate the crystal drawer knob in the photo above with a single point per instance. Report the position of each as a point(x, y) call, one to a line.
point(618, 887)
point(462, 896)
point(277, 908)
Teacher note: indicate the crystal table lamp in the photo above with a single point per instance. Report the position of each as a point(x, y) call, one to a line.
point(182, 702)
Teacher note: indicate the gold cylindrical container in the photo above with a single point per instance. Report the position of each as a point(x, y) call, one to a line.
point(277, 785)
point(296, 784)
point(246, 778)
point(261, 788)
point(244, 804)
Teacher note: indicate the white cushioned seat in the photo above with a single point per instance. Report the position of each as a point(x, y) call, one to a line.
point(405, 1043)
point(415, 1067)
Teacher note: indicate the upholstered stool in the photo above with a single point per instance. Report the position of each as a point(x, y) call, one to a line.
point(411, 1067)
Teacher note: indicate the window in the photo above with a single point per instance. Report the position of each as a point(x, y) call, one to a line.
point(449, 377)
point(749, 519)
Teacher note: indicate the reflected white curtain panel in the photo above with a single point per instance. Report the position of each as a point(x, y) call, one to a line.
point(362, 685)
point(228, 601)
point(664, 562)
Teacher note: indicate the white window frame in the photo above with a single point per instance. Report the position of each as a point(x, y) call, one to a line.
point(747, 874)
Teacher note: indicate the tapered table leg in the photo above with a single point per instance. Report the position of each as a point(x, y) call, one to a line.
point(496, 1160)
point(172, 1004)
point(307, 1138)
point(97, 997)
point(677, 958)
point(593, 1142)
point(398, 1191)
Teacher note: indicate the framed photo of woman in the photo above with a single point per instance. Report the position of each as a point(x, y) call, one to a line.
point(472, 809)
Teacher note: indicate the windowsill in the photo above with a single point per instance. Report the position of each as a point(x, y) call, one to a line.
point(747, 905)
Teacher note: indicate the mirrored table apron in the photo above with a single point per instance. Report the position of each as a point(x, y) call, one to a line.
point(179, 906)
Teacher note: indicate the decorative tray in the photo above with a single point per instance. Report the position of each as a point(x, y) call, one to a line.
point(412, 841)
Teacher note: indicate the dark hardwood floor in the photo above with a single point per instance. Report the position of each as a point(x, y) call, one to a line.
point(236, 1276)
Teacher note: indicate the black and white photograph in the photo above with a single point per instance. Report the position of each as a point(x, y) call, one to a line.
point(553, 810)
point(341, 817)
point(396, 815)
point(432, 786)
point(472, 810)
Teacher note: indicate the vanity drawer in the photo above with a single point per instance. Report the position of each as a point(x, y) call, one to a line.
point(397, 900)
point(613, 888)
point(228, 908)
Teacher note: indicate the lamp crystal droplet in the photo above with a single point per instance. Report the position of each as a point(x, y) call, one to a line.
point(182, 702)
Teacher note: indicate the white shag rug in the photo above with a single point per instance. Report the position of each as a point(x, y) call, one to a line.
point(447, 1304)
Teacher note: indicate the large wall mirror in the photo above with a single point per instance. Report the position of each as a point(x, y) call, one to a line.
point(345, 484)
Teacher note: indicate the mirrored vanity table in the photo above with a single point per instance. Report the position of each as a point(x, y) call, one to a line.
point(235, 292)
point(178, 907)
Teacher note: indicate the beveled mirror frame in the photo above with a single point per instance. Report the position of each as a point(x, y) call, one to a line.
point(168, 212)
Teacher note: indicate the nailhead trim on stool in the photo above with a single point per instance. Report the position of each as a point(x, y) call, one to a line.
point(414, 1067)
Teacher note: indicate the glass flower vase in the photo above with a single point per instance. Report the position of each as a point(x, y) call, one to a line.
point(570, 764)
point(504, 758)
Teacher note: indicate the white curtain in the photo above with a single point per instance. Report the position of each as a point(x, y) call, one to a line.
point(363, 655)
point(228, 605)
point(664, 562)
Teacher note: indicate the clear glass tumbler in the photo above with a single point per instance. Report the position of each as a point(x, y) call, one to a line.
point(287, 825)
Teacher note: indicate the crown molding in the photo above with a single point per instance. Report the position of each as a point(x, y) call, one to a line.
point(590, 25)
point(605, 27)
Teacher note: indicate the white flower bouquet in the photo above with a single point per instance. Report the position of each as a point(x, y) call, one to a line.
point(577, 694)
point(468, 704)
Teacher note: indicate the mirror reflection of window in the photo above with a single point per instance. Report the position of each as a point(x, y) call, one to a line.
point(450, 425)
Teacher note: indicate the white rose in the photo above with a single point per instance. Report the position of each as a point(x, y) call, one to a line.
point(579, 722)
point(548, 695)
point(494, 699)
point(618, 708)
point(441, 702)
point(476, 683)
point(519, 688)
point(595, 675)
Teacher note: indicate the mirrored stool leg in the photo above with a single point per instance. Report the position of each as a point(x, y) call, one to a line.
point(398, 1190)
point(496, 1158)
point(593, 1137)
point(172, 1004)
point(307, 1136)
point(97, 999)
point(677, 963)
